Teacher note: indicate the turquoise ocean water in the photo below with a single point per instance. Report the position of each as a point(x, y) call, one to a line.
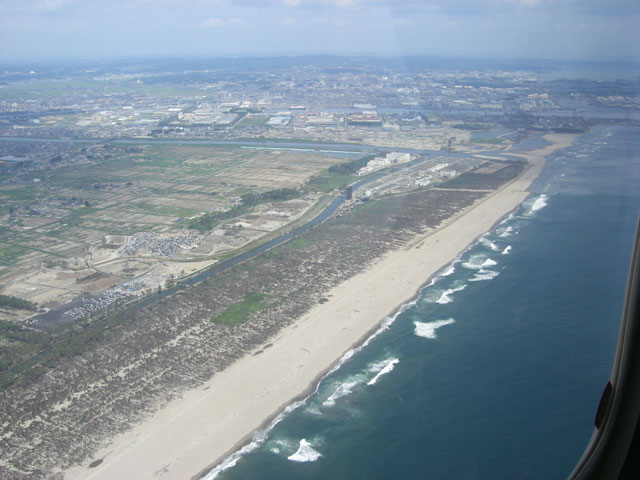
point(496, 370)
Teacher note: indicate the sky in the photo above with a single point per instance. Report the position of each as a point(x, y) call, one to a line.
point(496, 29)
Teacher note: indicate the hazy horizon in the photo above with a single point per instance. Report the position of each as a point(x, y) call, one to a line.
point(53, 30)
point(115, 59)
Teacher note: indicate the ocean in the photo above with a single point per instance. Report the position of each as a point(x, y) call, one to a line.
point(496, 369)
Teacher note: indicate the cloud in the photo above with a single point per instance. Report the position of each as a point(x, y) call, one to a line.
point(488, 27)
point(401, 23)
point(38, 7)
point(213, 22)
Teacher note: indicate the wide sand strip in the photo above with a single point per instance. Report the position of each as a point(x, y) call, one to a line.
point(207, 423)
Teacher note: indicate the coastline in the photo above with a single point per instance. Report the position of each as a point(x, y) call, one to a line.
point(214, 420)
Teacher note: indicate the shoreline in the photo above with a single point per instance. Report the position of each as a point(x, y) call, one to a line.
point(259, 433)
point(251, 394)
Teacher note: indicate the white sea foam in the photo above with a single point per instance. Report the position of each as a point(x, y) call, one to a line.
point(510, 217)
point(231, 460)
point(282, 445)
point(305, 453)
point(445, 272)
point(475, 262)
point(540, 203)
point(448, 272)
point(489, 263)
point(386, 323)
point(431, 296)
point(507, 231)
point(428, 329)
point(261, 435)
point(259, 438)
point(489, 244)
point(484, 275)
point(313, 409)
point(507, 250)
point(445, 297)
point(343, 390)
point(384, 370)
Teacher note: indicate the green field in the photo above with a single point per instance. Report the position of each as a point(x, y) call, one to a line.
point(253, 121)
point(240, 312)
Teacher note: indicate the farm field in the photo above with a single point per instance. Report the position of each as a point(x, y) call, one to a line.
point(79, 230)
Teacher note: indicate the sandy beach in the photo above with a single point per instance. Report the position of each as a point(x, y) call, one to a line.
point(206, 424)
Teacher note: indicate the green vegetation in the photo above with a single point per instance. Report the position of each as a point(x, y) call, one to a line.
point(240, 312)
point(17, 343)
point(325, 182)
point(338, 176)
point(299, 242)
point(335, 177)
point(351, 167)
point(25, 354)
point(253, 121)
point(15, 302)
point(163, 210)
point(19, 194)
point(277, 195)
point(483, 181)
point(10, 254)
point(210, 220)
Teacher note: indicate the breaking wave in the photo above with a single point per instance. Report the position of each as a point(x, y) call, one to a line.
point(428, 329)
point(484, 275)
point(232, 459)
point(305, 453)
point(280, 445)
point(343, 390)
point(489, 263)
point(450, 271)
point(347, 386)
point(388, 366)
point(475, 262)
point(540, 203)
point(507, 232)
point(445, 296)
point(489, 244)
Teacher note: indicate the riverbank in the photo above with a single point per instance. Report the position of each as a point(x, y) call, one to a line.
point(209, 422)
